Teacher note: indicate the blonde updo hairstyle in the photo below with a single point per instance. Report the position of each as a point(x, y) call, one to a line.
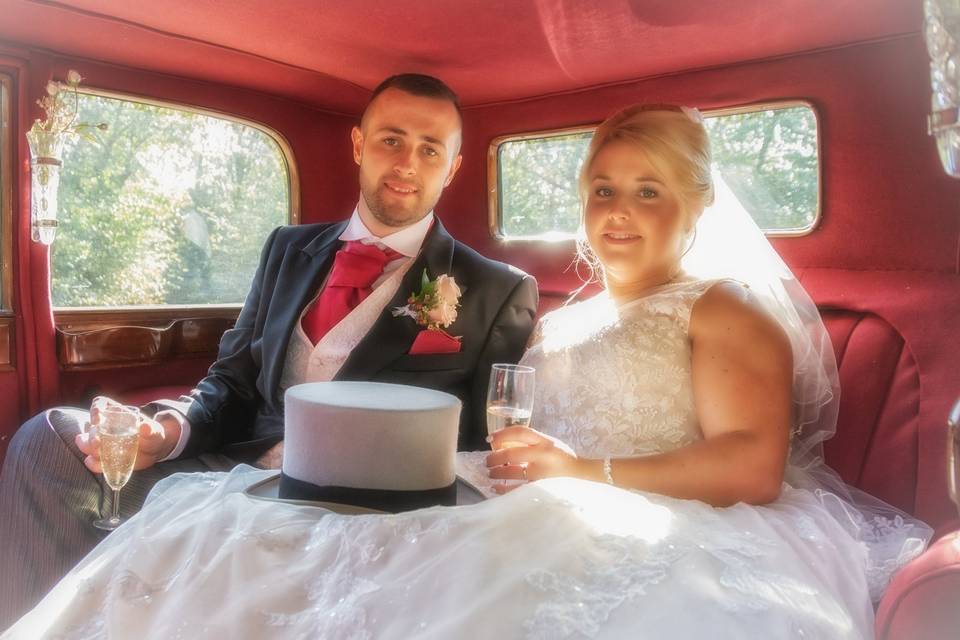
point(676, 144)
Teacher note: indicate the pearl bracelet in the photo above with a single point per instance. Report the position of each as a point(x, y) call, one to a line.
point(607, 475)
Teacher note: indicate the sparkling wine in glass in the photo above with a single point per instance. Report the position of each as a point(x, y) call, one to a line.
point(509, 397)
point(118, 429)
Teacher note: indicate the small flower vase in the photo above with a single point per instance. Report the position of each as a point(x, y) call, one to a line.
point(942, 31)
point(46, 152)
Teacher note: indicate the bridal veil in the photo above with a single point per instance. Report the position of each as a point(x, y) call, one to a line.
point(729, 245)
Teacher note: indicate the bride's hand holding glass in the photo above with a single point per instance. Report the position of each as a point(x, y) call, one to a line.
point(509, 398)
point(533, 456)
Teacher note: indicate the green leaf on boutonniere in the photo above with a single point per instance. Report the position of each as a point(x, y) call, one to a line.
point(426, 286)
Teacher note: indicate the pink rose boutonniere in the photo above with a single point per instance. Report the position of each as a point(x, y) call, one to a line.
point(435, 305)
point(435, 308)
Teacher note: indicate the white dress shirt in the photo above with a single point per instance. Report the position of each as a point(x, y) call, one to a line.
point(306, 362)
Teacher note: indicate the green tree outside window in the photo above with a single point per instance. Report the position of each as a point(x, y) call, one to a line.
point(170, 207)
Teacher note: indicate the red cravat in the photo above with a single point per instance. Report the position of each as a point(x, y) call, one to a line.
point(355, 268)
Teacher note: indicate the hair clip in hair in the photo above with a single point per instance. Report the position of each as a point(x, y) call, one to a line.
point(693, 113)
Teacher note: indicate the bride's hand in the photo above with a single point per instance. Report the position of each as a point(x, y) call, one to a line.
point(540, 455)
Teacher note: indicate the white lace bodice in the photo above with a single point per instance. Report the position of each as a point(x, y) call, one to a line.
point(615, 379)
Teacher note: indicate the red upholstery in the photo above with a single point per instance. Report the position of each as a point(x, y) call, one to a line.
point(875, 447)
point(333, 53)
point(922, 600)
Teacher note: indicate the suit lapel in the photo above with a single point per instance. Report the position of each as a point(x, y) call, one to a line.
point(300, 275)
point(390, 337)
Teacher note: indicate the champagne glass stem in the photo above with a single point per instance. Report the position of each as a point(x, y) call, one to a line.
point(116, 506)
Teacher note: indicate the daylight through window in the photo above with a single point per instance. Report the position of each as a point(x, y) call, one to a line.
point(165, 207)
point(768, 156)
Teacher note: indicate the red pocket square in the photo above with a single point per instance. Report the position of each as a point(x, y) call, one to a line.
point(434, 341)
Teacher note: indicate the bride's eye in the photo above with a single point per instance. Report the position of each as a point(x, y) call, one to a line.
point(647, 193)
point(604, 192)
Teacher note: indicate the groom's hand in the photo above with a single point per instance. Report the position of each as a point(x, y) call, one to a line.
point(157, 438)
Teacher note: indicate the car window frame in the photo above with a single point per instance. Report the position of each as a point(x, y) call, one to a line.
point(101, 337)
point(7, 141)
point(6, 192)
point(494, 187)
point(75, 315)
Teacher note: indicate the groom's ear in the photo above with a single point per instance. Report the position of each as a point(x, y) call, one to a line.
point(454, 167)
point(356, 136)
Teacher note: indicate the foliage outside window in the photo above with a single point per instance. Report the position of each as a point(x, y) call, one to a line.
point(169, 207)
point(767, 156)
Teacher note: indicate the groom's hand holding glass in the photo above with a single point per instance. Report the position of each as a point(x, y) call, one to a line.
point(157, 438)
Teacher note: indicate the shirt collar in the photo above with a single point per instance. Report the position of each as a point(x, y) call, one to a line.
point(407, 241)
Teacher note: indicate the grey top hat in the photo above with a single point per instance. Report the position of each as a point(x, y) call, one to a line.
point(368, 447)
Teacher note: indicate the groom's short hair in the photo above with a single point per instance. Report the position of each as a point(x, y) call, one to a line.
point(418, 84)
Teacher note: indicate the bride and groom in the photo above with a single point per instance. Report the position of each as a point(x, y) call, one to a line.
point(685, 397)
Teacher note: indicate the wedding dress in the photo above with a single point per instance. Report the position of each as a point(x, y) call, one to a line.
point(558, 558)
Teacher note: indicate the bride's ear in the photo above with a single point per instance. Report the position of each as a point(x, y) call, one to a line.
point(693, 217)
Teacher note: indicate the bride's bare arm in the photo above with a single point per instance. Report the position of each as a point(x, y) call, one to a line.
point(742, 376)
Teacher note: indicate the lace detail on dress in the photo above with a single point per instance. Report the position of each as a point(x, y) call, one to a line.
point(336, 593)
point(615, 571)
point(890, 544)
point(340, 595)
point(623, 569)
point(615, 380)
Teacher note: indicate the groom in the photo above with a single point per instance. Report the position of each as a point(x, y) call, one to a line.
point(320, 308)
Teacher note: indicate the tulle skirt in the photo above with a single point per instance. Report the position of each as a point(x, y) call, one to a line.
point(558, 558)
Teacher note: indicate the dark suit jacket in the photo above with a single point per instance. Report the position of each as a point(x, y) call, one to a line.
point(236, 408)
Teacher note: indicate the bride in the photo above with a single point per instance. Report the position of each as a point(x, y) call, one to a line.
point(671, 485)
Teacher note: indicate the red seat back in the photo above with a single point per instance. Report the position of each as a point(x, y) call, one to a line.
point(875, 447)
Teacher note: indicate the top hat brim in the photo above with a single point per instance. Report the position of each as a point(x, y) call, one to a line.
point(269, 489)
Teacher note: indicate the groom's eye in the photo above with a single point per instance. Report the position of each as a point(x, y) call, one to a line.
point(392, 142)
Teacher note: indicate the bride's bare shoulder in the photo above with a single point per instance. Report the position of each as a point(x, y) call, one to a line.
point(729, 312)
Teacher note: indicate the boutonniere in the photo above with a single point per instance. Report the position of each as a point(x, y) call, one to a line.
point(435, 305)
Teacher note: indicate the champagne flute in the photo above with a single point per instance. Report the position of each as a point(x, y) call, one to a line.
point(509, 398)
point(118, 429)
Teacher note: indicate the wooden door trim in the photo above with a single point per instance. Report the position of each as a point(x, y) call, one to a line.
point(98, 339)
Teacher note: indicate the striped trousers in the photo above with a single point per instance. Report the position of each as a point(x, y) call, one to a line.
point(49, 499)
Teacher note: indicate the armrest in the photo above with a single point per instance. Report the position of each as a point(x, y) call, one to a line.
point(921, 602)
point(144, 395)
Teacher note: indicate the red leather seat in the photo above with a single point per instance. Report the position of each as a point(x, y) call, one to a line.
point(922, 601)
point(875, 447)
